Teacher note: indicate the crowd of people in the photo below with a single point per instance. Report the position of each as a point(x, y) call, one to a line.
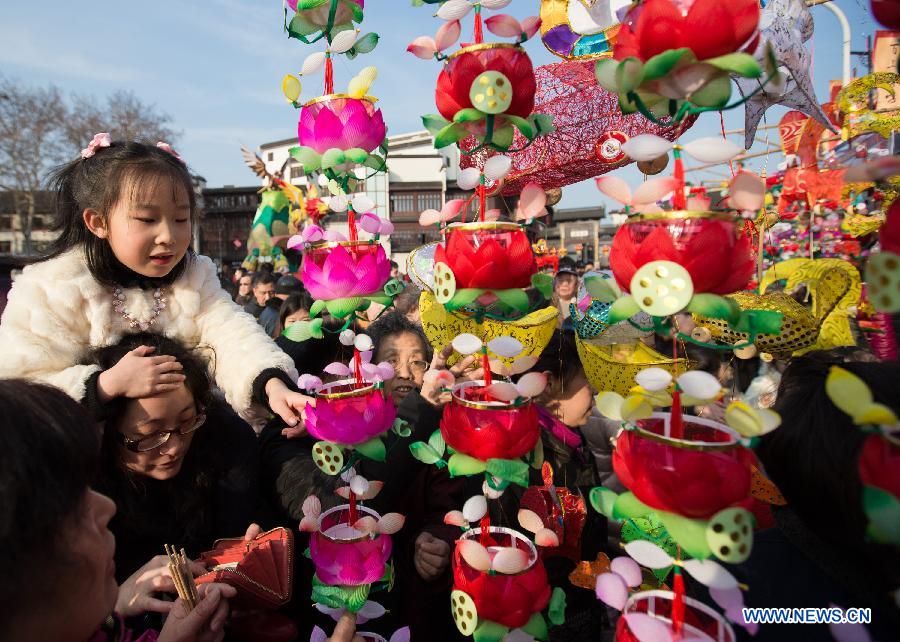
point(144, 405)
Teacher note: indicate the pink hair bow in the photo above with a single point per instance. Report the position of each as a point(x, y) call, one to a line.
point(98, 141)
point(168, 148)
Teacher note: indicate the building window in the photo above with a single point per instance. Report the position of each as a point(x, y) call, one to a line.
point(37, 222)
point(429, 202)
point(271, 156)
point(402, 203)
point(5, 247)
point(6, 222)
point(295, 171)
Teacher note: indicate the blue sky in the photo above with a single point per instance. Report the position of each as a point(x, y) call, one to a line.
point(216, 67)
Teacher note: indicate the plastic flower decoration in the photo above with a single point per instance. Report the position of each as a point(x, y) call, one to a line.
point(313, 20)
point(674, 57)
point(485, 89)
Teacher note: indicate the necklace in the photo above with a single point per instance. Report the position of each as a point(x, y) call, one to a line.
point(159, 304)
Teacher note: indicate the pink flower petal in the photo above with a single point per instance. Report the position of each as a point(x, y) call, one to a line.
point(627, 569)
point(447, 35)
point(611, 589)
point(451, 209)
point(532, 202)
point(429, 217)
point(370, 222)
point(386, 228)
point(746, 192)
point(616, 188)
point(648, 629)
point(654, 190)
point(337, 368)
point(504, 25)
point(530, 26)
point(423, 47)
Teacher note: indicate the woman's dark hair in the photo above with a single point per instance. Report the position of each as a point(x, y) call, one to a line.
point(49, 450)
point(560, 358)
point(393, 323)
point(187, 492)
point(289, 306)
point(97, 183)
point(813, 456)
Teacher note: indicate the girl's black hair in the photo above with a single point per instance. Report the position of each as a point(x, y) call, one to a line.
point(292, 304)
point(98, 183)
point(189, 490)
point(560, 358)
point(49, 450)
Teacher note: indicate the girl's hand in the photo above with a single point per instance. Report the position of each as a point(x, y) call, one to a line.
point(289, 405)
point(138, 375)
point(206, 623)
point(440, 377)
point(136, 593)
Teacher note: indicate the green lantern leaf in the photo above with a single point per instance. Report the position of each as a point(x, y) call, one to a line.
point(600, 289)
point(305, 5)
point(366, 43)
point(304, 330)
point(308, 157)
point(536, 627)
point(300, 26)
point(556, 612)
point(603, 499)
point(714, 93)
point(503, 138)
point(375, 162)
point(737, 63)
point(434, 123)
point(423, 452)
point(511, 470)
point(342, 308)
point(450, 134)
point(333, 157)
point(661, 64)
point(436, 441)
point(629, 74)
point(468, 115)
point(356, 155)
point(461, 465)
point(624, 308)
point(489, 631)
point(883, 511)
point(626, 106)
point(714, 307)
point(605, 72)
point(690, 534)
point(358, 597)
point(543, 124)
point(401, 427)
point(316, 308)
point(627, 505)
point(373, 449)
point(543, 283)
point(536, 456)
point(464, 297)
point(523, 125)
point(514, 298)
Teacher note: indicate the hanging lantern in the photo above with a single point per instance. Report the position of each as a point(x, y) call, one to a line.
point(347, 415)
point(339, 121)
point(345, 555)
point(345, 274)
point(653, 610)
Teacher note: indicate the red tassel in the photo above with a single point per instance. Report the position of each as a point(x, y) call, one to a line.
point(329, 75)
point(485, 538)
point(481, 199)
point(678, 604)
point(351, 224)
point(352, 515)
point(479, 33)
point(678, 200)
point(357, 369)
point(486, 366)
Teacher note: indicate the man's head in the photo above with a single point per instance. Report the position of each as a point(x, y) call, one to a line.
point(263, 287)
point(287, 285)
point(402, 344)
point(566, 283)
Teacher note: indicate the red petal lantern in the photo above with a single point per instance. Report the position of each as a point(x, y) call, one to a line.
point(708, 245)
point(696, 476)
point(488, 429)
point(700, 622)
point(496, 256)
point(509, 600)
point(879, 463)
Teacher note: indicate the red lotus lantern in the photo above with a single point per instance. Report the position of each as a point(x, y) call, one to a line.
point(486, 429)
point(879, 463)
point(708, 245)
point(509, 600)
point(698, 621)
point(487, 255)
point(696, 476)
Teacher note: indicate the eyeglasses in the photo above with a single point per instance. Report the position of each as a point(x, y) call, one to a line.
point(415, 366)
point(157, 439)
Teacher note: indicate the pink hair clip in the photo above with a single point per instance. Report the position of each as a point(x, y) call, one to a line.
point(98, 141)
point(168, 148)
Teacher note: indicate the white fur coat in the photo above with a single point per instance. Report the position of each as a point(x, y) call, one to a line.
point(57, 313)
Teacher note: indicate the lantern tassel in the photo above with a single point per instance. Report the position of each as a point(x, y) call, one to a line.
point(357, 368)
point(351, 224)
point(479, 32)
point(678, 200)
point(678, 604)
point(329, 74)
point(352, 515)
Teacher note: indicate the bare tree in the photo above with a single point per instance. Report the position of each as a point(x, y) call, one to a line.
point(31, 143)
point(123, 115)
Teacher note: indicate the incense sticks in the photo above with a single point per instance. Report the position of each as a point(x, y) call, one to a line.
point(182, 576)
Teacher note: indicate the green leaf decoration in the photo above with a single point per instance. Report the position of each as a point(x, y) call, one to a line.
point(556, 612)
point(366, 43)
point(304, 330)
point(600, 289)
point(402, 427)
point(714, 93)
point(356, 9)
point(300, 26)
point(737, 63)
point(626, 106)
point(373, 449)
point(378, 163)
point(690, 534)
point(627, 505)
point(760, 322)
point(461, 465)
point(356, 155)
point(537, 455)
point(883, 511)
point(523, 126)
point(489, 631)
point(543, 283)
point(543, 124)
point(358, 597)
point(605, 72)
point(603, 499)
point(434, 123)
point(308, 157)
point(651, 529)
point(714, 307)
point(436, 441)
point(661, 64)
point(316, 307)
point(333, 157)
point(514, 298)
point(468, 115)
point(304, 5)
point(629, 74)
point(394, 287)
point(464, 297)
point(450, 134)
point(512, 470)
point(503, 137)
point(423, 452)
point(624, 308)
point(342, 308)
point(536, 627)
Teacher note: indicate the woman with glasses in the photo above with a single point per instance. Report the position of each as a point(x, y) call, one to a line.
point(180, 465)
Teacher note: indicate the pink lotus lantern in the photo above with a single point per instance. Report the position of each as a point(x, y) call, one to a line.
point(341, 122)
point(349, 415)
point(344, 554)
point(652, 611)
point(344, 273)
point(697, 475)
point(476, 425)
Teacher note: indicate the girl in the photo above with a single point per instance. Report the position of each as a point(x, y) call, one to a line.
point(56, 567)
point(122, 263)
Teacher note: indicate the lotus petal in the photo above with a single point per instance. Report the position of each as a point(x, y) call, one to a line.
point(635, 407)
point(318, 635)
point(366, 524)
point(510, 560)
point(490, 492)
point(713, 149)
point(648, 554)
point(386, 228)
point(495, 4)
point(309, 382)
point(338, 203)
point(467, 343)
point(447, 34)
point(612, 590)
point(454, 10)
point(312, 63)
point(312, 507)
point(343, 492)
point(343, 40)
point(390, 523)
point(363, 343)
point(728, 599)
point(362, 203)
point(468, 178)
point(370, 222)
point(646, 147)
point(475, 508)
point(497, 167)
point(347, 337)
point(627, 569)
point(423, 47)
point(475, 555)
point(359, 485)
point(338, 369)
point(401, 635)
point(699, 385)
point(429, 217)
point(522, 364)
point(373, 490)
point(505, 346)
point(530, 26)
point(499, 367)
point(610, 404)
point(452, 208)
point(504, 391)
point(348, 474)
point(654, 190)
point(291, 87)
point(547, 538)
point(532, 384)
point(309, 524)
point(335, 236)
point(385, 371)
point(530, 521)
point(504, 25)
point(747, 192)
point(710, 573)
point(532, 202)
point(616, 188)
point(455, 518)
point(648, 629)
point(653, 379)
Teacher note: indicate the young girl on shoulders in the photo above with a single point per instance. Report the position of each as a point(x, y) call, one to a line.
point(122, 263)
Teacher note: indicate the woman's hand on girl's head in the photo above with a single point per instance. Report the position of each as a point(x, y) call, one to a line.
point(138, 375)
point(289, 405)
point(205, 623)
point(136, 594)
